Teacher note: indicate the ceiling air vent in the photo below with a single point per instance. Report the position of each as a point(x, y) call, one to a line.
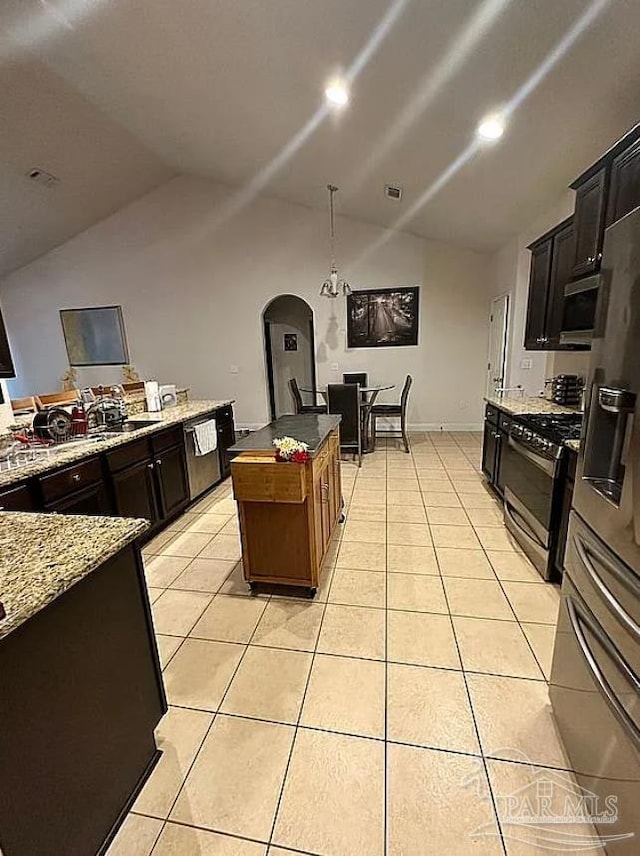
point(43, 177)
point(393, 191)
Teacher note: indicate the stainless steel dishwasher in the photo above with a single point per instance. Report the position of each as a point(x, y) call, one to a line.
point(203, 471)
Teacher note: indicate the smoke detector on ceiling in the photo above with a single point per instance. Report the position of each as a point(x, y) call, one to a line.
point(43, 177)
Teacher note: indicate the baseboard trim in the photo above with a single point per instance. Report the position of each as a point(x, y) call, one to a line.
point(415, 426)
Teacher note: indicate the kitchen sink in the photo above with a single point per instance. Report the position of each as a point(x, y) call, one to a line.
point(129, 426)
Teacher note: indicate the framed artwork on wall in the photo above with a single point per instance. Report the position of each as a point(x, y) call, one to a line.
point(384, 317)
point(95, 336)
point(291, 341)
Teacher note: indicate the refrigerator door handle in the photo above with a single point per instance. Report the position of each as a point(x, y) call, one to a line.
point(587, 557)
point(616, 400)
point(575, 617)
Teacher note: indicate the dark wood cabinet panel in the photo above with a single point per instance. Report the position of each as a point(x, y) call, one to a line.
point(71, 479)
point(18, 498)
point(489, 449)
point(134, 491)
point(171, 472)
point(624, 188)
point(92, 500)
point(562, 256)
point(226, 439)
point(535, 329)
point(591, 201)
point(6, 360)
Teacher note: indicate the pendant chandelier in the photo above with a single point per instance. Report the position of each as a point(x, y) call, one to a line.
point(334, 284)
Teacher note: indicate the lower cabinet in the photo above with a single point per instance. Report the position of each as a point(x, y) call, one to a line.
point(496, 435)
point(171, 472)
point(134, 491)
point(90, 500)
point(18, 499)
point(150, 479)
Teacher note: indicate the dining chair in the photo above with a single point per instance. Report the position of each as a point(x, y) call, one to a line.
point(26, 405)
point(344, 401)
point(393, 410)
point(63, 398)
point(300, 406)
point(357, 377)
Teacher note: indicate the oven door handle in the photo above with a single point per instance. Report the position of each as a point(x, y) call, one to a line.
point(522, 526)
point(587, 556)
point(543, 464)
point(576, 615)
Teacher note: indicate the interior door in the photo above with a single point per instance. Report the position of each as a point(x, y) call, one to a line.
point(498, 324)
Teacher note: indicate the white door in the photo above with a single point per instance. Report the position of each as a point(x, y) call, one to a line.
point(496, 364)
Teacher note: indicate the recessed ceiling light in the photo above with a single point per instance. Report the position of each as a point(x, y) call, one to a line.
point(337, 93)
point(491, 128)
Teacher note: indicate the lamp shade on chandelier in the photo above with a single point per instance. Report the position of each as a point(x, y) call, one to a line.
point(333, 284)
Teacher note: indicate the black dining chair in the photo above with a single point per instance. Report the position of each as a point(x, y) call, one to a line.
point(301, 407)
point(344, 400)
point(393, 410)
point(357, 377)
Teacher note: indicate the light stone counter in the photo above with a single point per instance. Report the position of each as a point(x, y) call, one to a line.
point(529, 404)
point(43, 555)
point(76, 450)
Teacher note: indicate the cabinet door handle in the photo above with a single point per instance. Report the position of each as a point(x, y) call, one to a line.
point(599, 256)
point(150, 466)
point(159, 461)
point(75, 477)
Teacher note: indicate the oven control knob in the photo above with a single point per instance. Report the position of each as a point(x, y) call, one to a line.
point(527, 434)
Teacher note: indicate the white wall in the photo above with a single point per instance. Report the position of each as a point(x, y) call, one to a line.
point(510, 269)
point(193, 291)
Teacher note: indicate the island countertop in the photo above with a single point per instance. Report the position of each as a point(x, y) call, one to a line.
point(43, 555)
point(310, 428)
point(76, 450)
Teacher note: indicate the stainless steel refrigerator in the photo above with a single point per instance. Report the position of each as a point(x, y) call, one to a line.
point(595, 680)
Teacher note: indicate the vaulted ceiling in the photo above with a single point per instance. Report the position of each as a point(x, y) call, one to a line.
point(116, 96)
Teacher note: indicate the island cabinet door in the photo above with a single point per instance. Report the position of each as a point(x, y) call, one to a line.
point(171, 470)
point(323, 522)
point(335, 482)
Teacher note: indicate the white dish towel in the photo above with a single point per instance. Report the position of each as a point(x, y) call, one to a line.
point(205, 437)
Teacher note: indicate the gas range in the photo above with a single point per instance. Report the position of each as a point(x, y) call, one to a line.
point(545, 434)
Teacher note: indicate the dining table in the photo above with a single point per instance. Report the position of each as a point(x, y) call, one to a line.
point(370, 393)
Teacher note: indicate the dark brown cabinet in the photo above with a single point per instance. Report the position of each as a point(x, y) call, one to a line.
point(624, 188)
point(18, 498)
point(496, 435)
point(171, 472)
point(134, 491)
point(589, 218)
point(6, 361)
point(551, 268)
point(539, 275)
point(226, 438)
point(91, 500)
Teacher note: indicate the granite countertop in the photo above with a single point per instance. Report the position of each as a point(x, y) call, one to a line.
point(76, 450)
point(43, 555)
point(517, 406)
point(310, 428)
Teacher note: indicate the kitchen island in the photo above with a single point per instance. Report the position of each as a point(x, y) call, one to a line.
point(81, 683)
point(288, 511)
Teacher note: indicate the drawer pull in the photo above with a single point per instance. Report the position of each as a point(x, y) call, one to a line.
point(75, 477)
point(150, 466)
point(159, 462)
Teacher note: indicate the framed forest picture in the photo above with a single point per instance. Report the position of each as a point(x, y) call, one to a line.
point(383, 317)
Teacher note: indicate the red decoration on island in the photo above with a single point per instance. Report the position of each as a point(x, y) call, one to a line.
point(300, 457)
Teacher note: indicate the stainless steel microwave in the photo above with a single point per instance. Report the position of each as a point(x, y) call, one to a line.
point(579, 311)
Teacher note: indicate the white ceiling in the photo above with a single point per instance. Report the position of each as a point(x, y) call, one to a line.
point(115, 96)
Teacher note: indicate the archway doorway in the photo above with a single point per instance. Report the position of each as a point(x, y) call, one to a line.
point(289, 350)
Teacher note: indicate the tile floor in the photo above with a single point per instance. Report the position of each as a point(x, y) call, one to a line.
point(389, 715)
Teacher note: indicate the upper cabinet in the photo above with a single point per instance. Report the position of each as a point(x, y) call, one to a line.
point(591, 201)
point(6, 362)
point(605, 192)
point(551, 263)
point(624, 187)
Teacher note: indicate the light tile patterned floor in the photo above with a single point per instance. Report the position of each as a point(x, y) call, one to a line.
point(387, 716)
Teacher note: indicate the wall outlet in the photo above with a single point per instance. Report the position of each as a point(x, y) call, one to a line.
point(526, 363)
point(234, 369)
point(463, 405)
point(335, 367)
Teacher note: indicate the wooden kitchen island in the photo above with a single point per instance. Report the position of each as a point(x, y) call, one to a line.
point(288, 511)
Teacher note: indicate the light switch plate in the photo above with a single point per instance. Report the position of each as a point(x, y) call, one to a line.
point(234, 369)
point(335, 367)
point(526, 363)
